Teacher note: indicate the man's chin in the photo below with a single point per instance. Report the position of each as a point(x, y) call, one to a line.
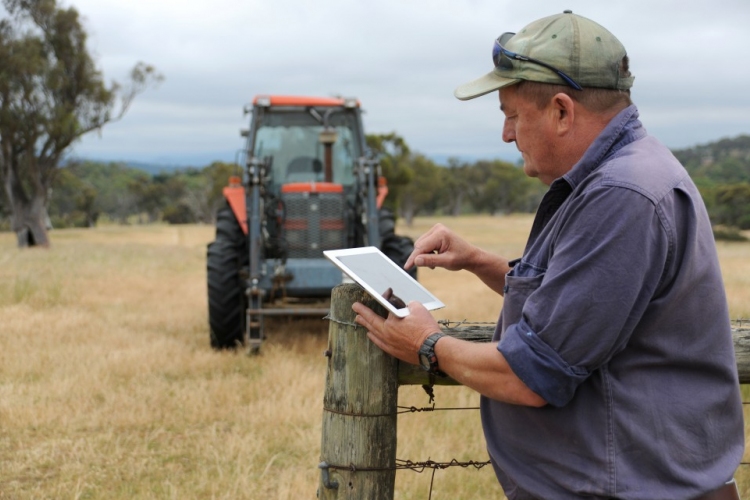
point(530, 172)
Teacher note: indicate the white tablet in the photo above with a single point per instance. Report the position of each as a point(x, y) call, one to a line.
point(376, 273)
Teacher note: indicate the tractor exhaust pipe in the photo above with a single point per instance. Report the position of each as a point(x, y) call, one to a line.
point(327, 137)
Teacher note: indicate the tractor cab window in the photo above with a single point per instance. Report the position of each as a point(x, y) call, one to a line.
point(292, 138)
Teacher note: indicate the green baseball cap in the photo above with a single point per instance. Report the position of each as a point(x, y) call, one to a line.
point(560, 49)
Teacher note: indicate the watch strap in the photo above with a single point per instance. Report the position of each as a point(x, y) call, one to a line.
point(427, 353)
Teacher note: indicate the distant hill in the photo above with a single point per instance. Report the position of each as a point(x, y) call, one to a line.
point(721, 170)
point(722, 162)
point(726, 161)
point(155, 168)
point(148, 167)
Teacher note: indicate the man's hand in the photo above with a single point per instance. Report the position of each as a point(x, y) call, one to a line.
point(441, 247)
point(399, 337)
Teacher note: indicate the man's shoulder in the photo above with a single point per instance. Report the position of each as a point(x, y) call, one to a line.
point(645, 166)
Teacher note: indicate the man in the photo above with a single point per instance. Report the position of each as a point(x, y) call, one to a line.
point(613, 371)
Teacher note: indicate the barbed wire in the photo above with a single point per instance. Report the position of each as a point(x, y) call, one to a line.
point(414, 409)
point(400, 410)
point(417, 467)
point(449, 323)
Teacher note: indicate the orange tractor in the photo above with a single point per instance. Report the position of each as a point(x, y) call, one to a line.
point(309, 184)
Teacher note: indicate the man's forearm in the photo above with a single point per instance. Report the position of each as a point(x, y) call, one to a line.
point(483, 368)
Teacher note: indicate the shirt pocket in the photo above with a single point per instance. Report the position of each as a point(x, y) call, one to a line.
point(520, 283)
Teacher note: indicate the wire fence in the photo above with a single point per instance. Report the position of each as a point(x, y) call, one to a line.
point(402, 464)
point(475, 331)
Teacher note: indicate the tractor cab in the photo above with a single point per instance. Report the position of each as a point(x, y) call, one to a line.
point(307, 139)
point(308, 186)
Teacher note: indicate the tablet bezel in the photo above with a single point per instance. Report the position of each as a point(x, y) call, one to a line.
point(334, 256)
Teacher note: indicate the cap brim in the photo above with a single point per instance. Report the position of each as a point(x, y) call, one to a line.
point(484, 85)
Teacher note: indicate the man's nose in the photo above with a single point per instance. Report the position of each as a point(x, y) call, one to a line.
point(509, 134)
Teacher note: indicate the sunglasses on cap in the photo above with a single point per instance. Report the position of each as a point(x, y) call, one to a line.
point(502, 59)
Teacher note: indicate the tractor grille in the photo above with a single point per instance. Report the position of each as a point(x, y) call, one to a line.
point(315, 219)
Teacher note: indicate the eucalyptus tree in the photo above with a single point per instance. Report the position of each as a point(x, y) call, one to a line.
point(51, 94)
point(395, 160)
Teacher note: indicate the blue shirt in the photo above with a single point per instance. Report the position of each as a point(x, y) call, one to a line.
point(616, 315)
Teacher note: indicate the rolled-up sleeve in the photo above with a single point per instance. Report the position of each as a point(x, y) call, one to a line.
point(539, 366)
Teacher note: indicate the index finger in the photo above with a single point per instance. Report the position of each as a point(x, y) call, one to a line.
point(425, 244)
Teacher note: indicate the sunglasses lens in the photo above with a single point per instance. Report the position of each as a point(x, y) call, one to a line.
point(499, 59)
point(497, 53)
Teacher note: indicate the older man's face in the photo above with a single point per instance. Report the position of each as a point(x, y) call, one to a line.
point(533, 131)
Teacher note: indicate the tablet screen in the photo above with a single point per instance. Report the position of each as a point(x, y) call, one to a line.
point(375, 272)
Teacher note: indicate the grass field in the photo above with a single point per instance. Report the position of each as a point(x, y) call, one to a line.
point(109, 390)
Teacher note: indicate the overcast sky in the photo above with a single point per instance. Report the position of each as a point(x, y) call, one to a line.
point(402, 59)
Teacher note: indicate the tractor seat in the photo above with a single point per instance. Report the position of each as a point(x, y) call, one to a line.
point(304, 169)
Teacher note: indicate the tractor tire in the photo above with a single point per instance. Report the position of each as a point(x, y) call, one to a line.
point(397, 248)
point(227, 303)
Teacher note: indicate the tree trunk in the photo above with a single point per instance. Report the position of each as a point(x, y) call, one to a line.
point(28, 214)
point(29, 223)
point(408, 210)
point(458, 201)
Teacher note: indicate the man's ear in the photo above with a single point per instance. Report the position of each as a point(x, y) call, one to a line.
point(563, 108)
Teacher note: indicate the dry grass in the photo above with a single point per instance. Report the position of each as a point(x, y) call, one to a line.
point(108, 388)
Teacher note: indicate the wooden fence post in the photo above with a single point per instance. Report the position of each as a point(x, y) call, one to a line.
point(358, 448)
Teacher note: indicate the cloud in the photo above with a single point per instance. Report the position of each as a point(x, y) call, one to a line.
point(402, 59)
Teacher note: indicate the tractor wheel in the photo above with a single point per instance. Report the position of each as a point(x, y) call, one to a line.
point(226, 257)
point(397, 248)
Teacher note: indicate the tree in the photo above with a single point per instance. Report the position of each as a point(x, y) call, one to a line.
point(394, 155)
point(457, 185)
point(150, 193)
point(51, 94)
point(500, 187)
point(424, 190)
point(733, 202)
point(214, 178)
point(202, 194)
point(111, 182)
point(74, 201)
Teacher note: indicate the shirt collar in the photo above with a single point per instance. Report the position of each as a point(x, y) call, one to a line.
point(623, 129)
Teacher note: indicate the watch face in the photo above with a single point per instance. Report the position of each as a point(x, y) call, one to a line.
point(424, 361)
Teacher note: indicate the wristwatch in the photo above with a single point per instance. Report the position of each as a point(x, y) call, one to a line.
point(427, 357)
